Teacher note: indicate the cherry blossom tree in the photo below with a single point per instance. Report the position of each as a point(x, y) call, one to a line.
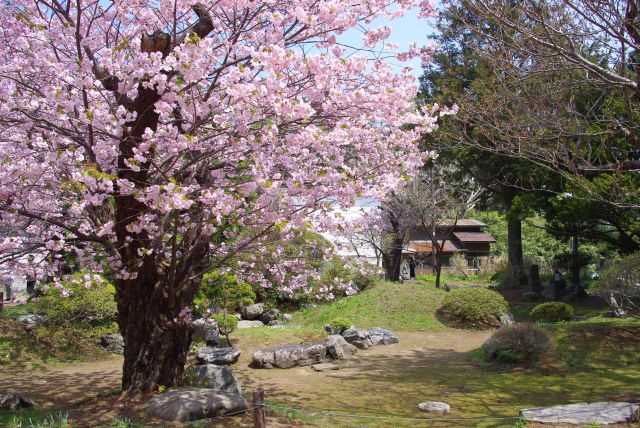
point(157, 140)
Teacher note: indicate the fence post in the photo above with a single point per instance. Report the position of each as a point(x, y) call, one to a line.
point(259, 417)
point(1, 301)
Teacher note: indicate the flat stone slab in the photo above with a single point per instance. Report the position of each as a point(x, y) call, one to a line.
point(583, 413)
point(323, 367)
point(217, 356)
point(249, 324)
point(434, 407)
point(190, 404)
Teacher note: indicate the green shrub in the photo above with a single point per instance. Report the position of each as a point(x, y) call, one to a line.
point(363, 280)
point(338, 325)
point(619, 284)
point(222, 292)
point(518, 342)
point(227, 323)
point(88, 306)
point(552, 312)
point(508, 356)
point(473, 307)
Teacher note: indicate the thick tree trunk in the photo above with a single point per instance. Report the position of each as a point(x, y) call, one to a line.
point(156, 338)
point(392, 260)
point(514, 247)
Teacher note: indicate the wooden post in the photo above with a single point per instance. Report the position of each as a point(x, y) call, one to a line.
point(1, 301)
point(259, 416)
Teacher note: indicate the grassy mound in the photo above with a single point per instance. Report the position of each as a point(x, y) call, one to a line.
point(402, 307)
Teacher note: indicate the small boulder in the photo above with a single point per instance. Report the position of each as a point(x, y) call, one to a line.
point(211, 376)
point(249, 324)
point(31, 321)
point(270, 315)
point(506, 318)
point(13, 401)
point(490, 347)
point(323, 367)
point(113, 343)
point(380, 336)
point(201, 327)
point(287, 317)
point(190, 404)
point(435, 407)
point(287, 356)
point(252, 312)
point(237, 315)
point(357, 337)
point(217, 356)
point(338, 348)
point(212, 340)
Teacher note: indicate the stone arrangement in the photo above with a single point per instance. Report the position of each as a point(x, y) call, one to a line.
point(334, 347)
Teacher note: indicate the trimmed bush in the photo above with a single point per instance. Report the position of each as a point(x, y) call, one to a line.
point(552, 312)
point(90, 302)
point(473, 307)
point(338, 325)
point(227, 323)
point(518, 343)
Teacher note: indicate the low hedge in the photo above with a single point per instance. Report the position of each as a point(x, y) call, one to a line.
point(552, 312)
point(473, 307)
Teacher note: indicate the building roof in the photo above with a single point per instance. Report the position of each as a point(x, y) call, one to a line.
point(474, 237)
point(426, 246)
point(464, 222)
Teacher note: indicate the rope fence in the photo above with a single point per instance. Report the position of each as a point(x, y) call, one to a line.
point(387, 417)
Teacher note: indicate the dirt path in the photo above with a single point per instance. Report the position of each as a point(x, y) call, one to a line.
point(75, 387)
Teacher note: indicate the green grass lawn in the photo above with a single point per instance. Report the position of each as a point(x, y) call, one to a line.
point(402, 307)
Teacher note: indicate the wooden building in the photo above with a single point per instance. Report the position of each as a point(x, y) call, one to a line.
point(468, 238)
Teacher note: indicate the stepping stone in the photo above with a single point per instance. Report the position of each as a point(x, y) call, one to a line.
point(217, 356)
point(582, 413)
point(249, 324)
point(435, 407)
point(323, 367)
point(190, 404)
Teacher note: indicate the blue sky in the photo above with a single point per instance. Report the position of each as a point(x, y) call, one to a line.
point(405, 31)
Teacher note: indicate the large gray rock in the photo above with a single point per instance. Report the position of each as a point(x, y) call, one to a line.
point(249, 324)
point(190, 404)
point(217, 356)
point(287, 356)
point(338, 348)
point(13, 401)
point(113, 343)
point(582, 413)
point(211, 376)
point(270, 315)
point(435, 407)
point(357, 337)
point(251, 312)
point(202, 328)
point(380, 336)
